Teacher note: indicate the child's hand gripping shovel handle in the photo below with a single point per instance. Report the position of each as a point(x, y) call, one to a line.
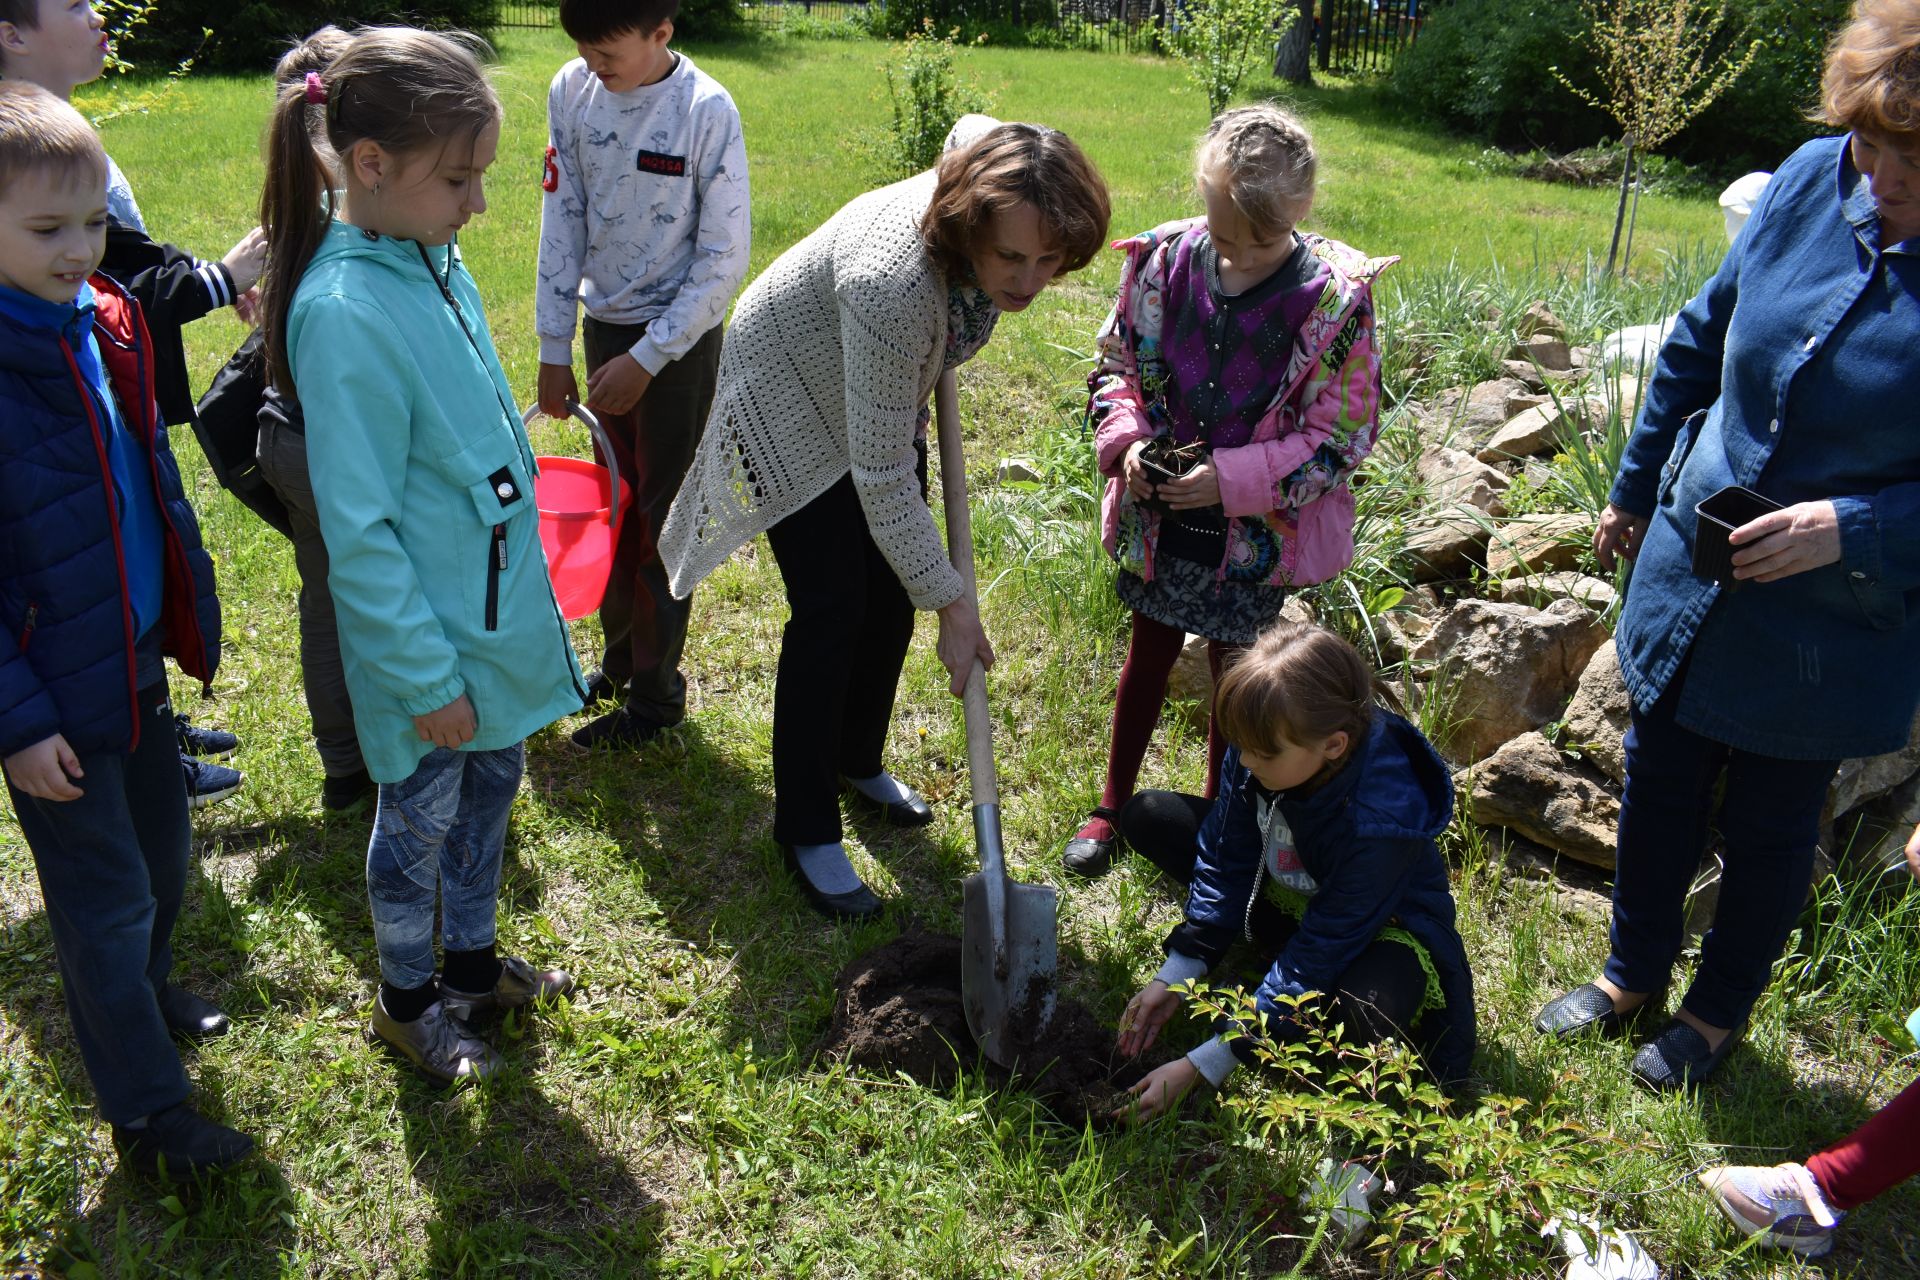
point(986, 787)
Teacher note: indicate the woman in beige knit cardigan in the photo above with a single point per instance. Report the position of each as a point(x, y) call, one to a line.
point(818, 439)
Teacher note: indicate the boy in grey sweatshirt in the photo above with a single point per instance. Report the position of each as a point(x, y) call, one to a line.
point(646, 223)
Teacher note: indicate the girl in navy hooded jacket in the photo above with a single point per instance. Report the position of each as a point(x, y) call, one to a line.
point(1320, 851)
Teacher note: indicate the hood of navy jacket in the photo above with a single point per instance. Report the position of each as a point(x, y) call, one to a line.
point(1396, 788)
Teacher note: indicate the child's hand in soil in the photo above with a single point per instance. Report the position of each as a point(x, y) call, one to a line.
point(1145, 1014)
point(1156, 1094)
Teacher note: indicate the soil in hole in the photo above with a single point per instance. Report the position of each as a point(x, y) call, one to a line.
point(898, 1009)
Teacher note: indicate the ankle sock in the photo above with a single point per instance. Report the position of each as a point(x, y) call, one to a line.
point(827, 867)
point(471, 971)
point(881, 788)
point(1096, 829)
point(406, 1004)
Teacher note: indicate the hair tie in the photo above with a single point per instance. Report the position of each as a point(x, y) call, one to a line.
point(316, 89)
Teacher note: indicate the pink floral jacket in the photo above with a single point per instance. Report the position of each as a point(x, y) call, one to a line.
point(1288, 484)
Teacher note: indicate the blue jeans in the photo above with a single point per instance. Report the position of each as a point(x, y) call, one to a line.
point(113, 868)
point(1769, 816)
point(443, 829)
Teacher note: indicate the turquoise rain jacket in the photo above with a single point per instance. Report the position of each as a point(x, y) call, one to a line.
point(423, 478)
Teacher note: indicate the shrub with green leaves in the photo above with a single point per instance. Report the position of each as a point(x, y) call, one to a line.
point(250, 35)
point(926, 95)
point(1221, 41)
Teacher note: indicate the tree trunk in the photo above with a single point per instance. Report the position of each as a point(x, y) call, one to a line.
point(1293, 59)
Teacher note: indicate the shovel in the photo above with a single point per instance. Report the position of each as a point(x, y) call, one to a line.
point(1008, 944)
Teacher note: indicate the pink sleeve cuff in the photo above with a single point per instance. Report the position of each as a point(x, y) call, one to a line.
point(1250, 475)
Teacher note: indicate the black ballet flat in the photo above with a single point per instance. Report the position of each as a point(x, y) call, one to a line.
point(1092, 858)
point(1678, 1057)
point(911, 812)
point(855, 904)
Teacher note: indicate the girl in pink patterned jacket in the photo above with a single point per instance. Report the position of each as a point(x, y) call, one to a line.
point(1244, 349)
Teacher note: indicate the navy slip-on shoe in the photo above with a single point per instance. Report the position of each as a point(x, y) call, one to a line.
point(855, 904)
point(914, 811)
point(1587, 1008)
point(1679, 1057)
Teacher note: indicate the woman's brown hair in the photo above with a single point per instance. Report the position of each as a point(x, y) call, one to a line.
point(1008, 166)
point(410, 91)
point(1297, 683)
point(1872, 79)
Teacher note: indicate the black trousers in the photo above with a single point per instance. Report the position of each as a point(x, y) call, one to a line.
point(1380, 993)
point(850, 622)
point(654, 442)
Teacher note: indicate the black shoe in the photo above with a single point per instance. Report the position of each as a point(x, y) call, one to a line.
point(911, 812)
point(208, 744)
point(347, 791)
point(187, 1015)
point(180, 1141)
point(617, 728)
point(1679, 1057)
point(855, 904)
point(601, 689)
point(1091, 858)
point(1588, 1008)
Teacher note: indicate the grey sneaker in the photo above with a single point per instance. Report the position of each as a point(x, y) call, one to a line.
point(519, 984)
point(1782, 1206)
point(437, 1042)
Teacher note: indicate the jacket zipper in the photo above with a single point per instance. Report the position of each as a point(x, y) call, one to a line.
point(496, 565)
point(26, 632)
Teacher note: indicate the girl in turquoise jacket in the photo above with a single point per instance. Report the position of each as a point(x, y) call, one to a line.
point(453, 645)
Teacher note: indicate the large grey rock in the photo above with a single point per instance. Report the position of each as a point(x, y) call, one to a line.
point(1599, 714)
point(1537, 320)
point(1539, 429)
point(1453, 479)
point(1448, 546)
point(1541, 589)
point(1871, 777)
point(1530, 787)
point(1507, 668)
point(1537, 543)
point(1546, 350)
point(1466, 417)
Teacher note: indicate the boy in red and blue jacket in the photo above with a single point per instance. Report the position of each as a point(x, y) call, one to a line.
point(101, 576)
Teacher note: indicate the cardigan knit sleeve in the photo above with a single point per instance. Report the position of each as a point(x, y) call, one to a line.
point(886, 355)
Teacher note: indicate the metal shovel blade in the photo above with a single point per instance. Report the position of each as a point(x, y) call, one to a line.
point(1008, 961)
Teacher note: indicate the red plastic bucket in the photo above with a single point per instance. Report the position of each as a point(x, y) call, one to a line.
point(578, 523)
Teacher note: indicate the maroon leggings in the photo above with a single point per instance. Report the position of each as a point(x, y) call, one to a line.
point(1137, 701)
point(1883, 1152)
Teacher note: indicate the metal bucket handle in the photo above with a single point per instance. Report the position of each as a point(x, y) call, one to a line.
point(601, 443)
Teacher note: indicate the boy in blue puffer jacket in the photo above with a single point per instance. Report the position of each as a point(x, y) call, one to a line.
point(101, 575)
point(1319, 850)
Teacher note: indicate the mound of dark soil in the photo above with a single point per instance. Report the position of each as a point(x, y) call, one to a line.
point(898, 1009)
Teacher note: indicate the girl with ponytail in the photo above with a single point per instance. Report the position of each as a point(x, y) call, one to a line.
point(422, 476)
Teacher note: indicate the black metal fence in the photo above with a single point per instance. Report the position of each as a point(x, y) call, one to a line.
point(1349, 35)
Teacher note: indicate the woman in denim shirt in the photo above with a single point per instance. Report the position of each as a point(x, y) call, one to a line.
point(1795, 373)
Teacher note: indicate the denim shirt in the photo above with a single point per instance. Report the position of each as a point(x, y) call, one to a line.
point(1794, 372)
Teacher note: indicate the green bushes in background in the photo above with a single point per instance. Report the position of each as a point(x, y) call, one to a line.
point(1485, 67)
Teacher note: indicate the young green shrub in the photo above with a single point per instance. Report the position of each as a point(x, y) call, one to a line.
point(926, 96)
point(1220, 41)
point(1478, 1175)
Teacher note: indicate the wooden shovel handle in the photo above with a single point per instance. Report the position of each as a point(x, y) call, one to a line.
point(953, 495)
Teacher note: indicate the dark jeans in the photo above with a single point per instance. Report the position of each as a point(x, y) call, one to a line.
point(840, 658)
point(1770, 817)
point(283, 461)
point(645, 627)
point(1377, 997)
point(113, 869)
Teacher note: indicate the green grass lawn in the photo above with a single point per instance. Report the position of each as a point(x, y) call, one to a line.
point(672, 1119)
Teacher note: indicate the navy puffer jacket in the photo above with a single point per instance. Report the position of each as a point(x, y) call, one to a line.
point(66, 615)
point(1367, 838)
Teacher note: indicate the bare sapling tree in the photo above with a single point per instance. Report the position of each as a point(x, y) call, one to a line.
point(1660, 63)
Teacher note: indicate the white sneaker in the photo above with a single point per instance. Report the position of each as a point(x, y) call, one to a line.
point(1345, 1189)
point(1618, 1256)
point(1781, 1205)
